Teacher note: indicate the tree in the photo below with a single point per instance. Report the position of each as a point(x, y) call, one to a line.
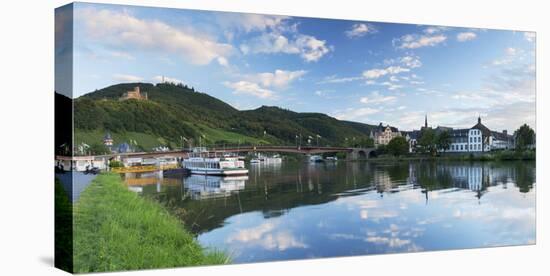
point(360, 142)
point(98, 149)
point(381, 150)
point(443, 141)
point(398, 146)
point(365, 142)
point(525, 136)
point(427, 140)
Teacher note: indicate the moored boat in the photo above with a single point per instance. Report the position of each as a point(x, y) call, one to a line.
point(201, 162)
point(315, 159)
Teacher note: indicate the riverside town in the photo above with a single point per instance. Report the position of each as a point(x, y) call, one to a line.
point(187, 138)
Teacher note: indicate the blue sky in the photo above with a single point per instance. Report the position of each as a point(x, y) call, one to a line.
point(360, 71)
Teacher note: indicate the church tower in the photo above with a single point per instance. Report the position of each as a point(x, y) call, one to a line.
point(426, 121)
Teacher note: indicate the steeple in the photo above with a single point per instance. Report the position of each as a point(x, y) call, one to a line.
point(479, 119)
point(426, 121)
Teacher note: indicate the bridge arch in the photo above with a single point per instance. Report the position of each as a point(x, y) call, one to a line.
point(361, 153)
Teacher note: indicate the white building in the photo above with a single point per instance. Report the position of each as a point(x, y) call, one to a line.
point(478, 138)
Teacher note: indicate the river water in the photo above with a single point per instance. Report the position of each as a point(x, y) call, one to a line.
point(299, 210)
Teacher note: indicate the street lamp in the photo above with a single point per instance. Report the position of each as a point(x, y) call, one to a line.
point(318, 136)
point(182, 139)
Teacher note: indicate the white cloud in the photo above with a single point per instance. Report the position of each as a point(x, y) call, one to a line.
point(278, 79)
point(411, 61)
point(308, 47)
point(414, 41)
point(160, 79)
point(465, 36)
point(248, 22)
point(311, 49)
point(121, 54)
point(356, 114)
point(334, 79)
point(434, 29)
point(260, 84)
point(377, 73)
point(222, 61)
point(511, 55)
point(268, 236)
point(359, 30)
point(511, 51)
point(122, 30)
point(127, 78)
point(377, 98)
point(530, 36)
point(391, 242)
point(391, 85)
point(249, 88)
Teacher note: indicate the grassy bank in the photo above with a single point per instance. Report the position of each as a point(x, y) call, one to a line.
point(116, 229)
point(63, 228)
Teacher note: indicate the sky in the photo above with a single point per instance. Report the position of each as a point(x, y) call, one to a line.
point(361, 71)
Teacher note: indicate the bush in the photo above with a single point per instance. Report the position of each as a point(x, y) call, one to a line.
point(115, 164)
point(398, 146)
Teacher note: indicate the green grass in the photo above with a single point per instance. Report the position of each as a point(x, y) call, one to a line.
point(63, 228)
point(116, 229)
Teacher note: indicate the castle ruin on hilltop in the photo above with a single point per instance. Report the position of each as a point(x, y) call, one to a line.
point(134, 94)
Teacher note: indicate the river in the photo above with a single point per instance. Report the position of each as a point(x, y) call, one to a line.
point(299, 210)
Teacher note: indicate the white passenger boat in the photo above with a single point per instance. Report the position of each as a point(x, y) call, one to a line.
point(275, 159)
point(201, 162)
point(203, 187)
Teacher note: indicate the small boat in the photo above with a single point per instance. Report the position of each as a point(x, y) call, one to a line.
point(315, 159)
point(255, 161)
point(332, 158)
point(200, 162)
point(92, 170)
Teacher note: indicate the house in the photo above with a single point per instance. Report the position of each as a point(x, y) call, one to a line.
point(502, 140)
point(124, 148)
point(412, 138)
point(382, 135)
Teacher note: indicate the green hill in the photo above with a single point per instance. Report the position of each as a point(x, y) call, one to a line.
point(175, 111)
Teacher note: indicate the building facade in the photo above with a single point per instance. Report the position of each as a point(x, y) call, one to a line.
point(382, 135)
point(476, 139)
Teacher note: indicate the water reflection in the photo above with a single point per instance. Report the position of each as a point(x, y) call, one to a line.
point(296, 210)
point(206, 187)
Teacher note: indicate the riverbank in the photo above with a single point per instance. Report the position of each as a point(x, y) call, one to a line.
point(508, 155)
point(116, 229)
